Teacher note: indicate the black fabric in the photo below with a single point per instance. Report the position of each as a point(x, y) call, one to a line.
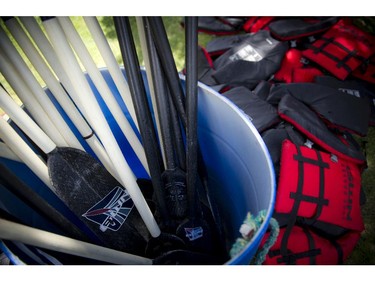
point(263, 89)
point(294, 28)
point(308, 123)
point(344, 112)
point(221, 44)
point(216, 25)
point(274, 137)
point(85, 186)
point(205, 68)
point(254, 59)
point(358, 89)
point(262, 114)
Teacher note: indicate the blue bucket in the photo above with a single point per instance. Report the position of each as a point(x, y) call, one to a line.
point(239, 167)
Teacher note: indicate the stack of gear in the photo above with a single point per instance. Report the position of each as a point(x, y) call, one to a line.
point(307, 85)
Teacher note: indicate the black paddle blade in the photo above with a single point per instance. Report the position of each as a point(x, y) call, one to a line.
point(91, 192)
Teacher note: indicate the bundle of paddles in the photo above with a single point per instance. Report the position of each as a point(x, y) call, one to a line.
point(307, 85)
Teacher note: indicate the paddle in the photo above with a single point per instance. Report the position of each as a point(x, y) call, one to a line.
point(139, 97)
point(194, 228)
point(25, 193)
point(35, 89)
point(44, 239)
point(53, 84)
point(111, 63)
point(97, 120)
point(39, 238)
point(86, 187)
point(104, 90)
point(166, 58)
point(166, 241)
point(173, 177)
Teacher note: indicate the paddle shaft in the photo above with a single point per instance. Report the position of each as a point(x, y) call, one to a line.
point(44, 239)
point(138, 92)
point(97, 120)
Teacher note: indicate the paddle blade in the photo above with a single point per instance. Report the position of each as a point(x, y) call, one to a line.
point(91, 192)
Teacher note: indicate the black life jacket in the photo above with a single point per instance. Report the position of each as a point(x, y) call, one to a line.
point(219, 25)
point(295, 28)
point(221, 44)
point(261, 113)
point(308, 123)
point(341, 49)
point(254, 59)
point(355, 88)
point(262, 89)
point(344, 112)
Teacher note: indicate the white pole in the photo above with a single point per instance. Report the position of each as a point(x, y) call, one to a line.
point(44, 239)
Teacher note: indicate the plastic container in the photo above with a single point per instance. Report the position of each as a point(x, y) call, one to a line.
point(240, 171)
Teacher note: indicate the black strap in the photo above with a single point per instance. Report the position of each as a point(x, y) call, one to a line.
point(298, 197)
point(341, 63)
point(340, 253)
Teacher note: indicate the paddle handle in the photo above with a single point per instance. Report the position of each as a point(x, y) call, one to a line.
point(44, 239)
point(98, 121)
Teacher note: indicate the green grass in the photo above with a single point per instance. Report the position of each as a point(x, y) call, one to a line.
point(364, 253)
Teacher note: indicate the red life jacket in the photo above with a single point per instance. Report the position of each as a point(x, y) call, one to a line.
point(294, 70)
point(341, 49)
point(254, 24)
point(301, 246)
point(366, 71)
point(314, 185)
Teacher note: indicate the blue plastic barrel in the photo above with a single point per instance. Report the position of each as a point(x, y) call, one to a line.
point(239, 167)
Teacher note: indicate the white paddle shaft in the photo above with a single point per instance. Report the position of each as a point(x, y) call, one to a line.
point(6, 152)
point(26, 124)
point(20, 148)
point(21, 89)
point(111, 63)
point(59, 93)
point(51, 241)
point(41, 40)
point(99, 82)
point(97, 119)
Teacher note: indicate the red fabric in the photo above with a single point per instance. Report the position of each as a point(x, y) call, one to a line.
point(292, 70)
point(254, 24)
point(342, 184)
point(298, 244)
point(347, 35)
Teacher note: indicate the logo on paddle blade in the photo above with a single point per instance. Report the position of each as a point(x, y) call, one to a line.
point(112, 211)
point(194, 233)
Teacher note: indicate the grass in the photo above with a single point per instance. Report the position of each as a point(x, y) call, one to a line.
point(364, 253)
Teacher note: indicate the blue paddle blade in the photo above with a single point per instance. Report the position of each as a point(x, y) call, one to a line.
point(98, 199)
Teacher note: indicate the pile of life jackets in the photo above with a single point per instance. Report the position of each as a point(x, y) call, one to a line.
point(308, 85)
